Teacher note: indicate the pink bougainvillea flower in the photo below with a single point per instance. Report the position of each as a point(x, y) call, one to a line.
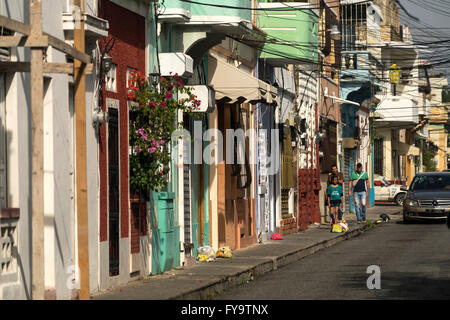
point(151, 150)
point(152, 105)
point(138, 149)
point(168, 95)
point(163, 104)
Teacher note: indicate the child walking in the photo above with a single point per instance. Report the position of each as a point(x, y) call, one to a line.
point(335, 194)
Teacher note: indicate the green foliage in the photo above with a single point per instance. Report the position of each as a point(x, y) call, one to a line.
point(369, 224)
point(428, 161)
point(153, 119)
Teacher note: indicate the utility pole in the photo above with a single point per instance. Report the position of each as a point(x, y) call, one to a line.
point(80, 152)
point(37, 160)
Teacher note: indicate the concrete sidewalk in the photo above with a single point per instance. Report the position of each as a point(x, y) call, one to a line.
point(208, 279)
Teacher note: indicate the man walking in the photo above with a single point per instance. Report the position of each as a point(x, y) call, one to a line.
point(359, 182)
point(340, 175)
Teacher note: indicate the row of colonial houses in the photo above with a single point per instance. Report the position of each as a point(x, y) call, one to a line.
point(308, 81)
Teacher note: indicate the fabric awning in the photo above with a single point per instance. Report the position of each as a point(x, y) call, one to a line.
point(237, 86)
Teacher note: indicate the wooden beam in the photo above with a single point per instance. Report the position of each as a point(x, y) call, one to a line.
point(62, 46)
point(49, 67)
point(37, 160)
point(14, 25)
point(56, 43)
point(81, 158)
point(23, 41)
point(65, 68)
point(6, 66)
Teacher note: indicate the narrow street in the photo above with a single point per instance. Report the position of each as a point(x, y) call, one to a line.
point(414, 261)
point(201, 150)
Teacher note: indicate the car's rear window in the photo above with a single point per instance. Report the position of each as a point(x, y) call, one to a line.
point(430, 182)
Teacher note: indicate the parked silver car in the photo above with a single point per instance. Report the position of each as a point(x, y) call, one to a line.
point(428, 197)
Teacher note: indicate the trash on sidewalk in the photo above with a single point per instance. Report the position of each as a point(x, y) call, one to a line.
point(340, 227)
point(224, 252)
point(385, 217)
point(206, 254)
point(276, 236)
point(336, 228)
point(344, 226)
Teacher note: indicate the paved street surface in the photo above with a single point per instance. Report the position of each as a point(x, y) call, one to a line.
point(207, 280)
point(414, 261)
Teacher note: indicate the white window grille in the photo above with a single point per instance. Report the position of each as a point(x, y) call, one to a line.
point(111, 79)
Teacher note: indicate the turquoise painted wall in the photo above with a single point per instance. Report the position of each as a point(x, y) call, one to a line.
point(204, 10)
point(297, 26)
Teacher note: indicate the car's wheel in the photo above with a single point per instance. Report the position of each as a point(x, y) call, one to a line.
point(399, 199)
point(405, 219)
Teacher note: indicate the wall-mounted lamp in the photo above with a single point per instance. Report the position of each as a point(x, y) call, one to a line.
point(154, 78)
point(335, 33)
point(107, 63)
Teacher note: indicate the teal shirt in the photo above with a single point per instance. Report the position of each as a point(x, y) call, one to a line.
point(361, 185)
point(335, 193)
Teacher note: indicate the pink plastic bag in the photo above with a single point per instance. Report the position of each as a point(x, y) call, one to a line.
point(276, 236)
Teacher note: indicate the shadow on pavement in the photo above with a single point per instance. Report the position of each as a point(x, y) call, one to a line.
point(423, 222)
point(386, 204)
point(406, 285)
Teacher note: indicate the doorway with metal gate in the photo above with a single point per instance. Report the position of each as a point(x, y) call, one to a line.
point(349, 167)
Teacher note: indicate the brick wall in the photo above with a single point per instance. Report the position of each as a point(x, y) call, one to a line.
point(128, 52)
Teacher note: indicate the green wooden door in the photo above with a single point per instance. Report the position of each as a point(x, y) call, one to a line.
point(165, 233)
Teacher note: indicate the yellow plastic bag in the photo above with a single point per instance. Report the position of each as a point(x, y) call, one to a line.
point(203, 258)
point(224, 252)
point(336, 228)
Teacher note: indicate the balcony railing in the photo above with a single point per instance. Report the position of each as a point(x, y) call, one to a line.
point(9, 219)
point(361, 64)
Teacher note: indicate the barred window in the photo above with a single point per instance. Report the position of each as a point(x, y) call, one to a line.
point(378, 157)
